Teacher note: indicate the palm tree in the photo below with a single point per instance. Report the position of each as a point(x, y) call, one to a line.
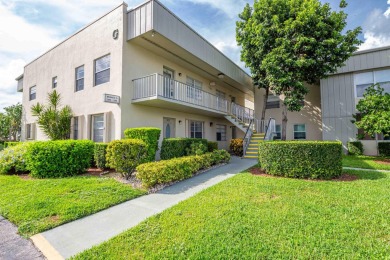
point(53, 121)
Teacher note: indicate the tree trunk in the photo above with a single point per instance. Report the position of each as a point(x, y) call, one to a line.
point(284, 122)
point(262, 122)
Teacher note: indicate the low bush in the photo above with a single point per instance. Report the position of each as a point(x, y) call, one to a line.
point(1, 147)
point(58, 159)
point(13, 159)
point(196, 149)
point(303, 159)
point(99, 155)
point(125, 155)
point(237, 146)
point(212, 146)
point(150, 135)
point(177, 169)
point(9, 144)
point(355, 148)
point(178, 147)
point(384, 148)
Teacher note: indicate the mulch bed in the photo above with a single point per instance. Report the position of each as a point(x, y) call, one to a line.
point(383, 161)
point(260, 172)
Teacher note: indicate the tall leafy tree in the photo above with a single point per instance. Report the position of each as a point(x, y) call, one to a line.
point(374, 110)
point(4, 127)
point(289, 42)
point(14, 115)
point(52, 119)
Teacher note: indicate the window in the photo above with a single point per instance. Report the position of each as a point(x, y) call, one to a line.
point(79, 78)
point(30, 131)
point(300, 131)
point(33, 93)
point(221, 132)
point(366, 79)
point(195, 88)
point(102, 70)
point(278, 132)
point(273, 101)
point(196, 129)
point(54, 82)
point(221, 101)
point(75, 128)
point(98, 128)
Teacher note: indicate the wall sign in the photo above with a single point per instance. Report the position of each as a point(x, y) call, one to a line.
point(115, 34)
point(111, 98)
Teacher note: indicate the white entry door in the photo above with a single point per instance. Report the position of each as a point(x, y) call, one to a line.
point(168, 84)
point(169, 127)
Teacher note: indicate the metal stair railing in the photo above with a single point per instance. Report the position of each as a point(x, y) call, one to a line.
point(247, 137)
point(270, 130)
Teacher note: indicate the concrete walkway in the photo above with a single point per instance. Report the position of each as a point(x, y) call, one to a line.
point(72, 238)
point(13, 246)
point(362, 169)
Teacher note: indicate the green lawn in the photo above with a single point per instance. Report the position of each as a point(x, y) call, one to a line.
point(365, 162)
point(37, 205)
point(253, 217)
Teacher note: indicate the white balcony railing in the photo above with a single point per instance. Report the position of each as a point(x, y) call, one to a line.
point(157, 85)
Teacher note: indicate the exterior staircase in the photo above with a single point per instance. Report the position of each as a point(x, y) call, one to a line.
point(253, 147)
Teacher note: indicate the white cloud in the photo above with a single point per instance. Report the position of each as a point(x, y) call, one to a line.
point(376, 29)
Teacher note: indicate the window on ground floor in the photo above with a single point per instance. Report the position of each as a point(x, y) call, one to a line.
point(196, 129)
point(98, 128)
point(300, 131)
point(75, 128)
point(30, 131)
point(221, 132)
point(278, 132)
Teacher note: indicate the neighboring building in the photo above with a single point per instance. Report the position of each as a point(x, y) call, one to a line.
point(341, 92)
point(143, 67)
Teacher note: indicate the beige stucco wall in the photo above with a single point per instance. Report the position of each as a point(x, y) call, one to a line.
point(82, 48)
point(310, 115)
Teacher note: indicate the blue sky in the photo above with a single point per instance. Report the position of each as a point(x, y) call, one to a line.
point(30, 27)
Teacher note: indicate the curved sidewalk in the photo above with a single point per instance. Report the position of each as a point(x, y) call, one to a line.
point(72, 238)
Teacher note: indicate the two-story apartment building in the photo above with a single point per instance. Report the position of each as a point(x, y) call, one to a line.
point(138, 67)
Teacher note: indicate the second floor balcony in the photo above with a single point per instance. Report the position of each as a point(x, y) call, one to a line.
point(161, 91)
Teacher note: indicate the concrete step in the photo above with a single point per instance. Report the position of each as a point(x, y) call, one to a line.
point(253, 148)
point(250, 157)
point(251, 153)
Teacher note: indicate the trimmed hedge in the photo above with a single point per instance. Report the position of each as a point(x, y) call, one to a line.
point(178, 147)
point(125, 155)
point(355, 148)
point(150, 135)
point(303, 159)
point(58, 159)
point(13, 159)
point(237, 146)
point(384, 148)
point(9, 144)
point(212, 146)
point(99, 155)
point(178, 169)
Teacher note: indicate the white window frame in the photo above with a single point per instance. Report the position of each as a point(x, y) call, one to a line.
point(272, 100)
point(374, 79)
point(77, 78)
point(30, 93)
point(190, 128)
point(76, 127)
point(93, 127)
point(299, 132)
point(102, 70)
point(222, 129)
point(30, 131)
point(194, 89)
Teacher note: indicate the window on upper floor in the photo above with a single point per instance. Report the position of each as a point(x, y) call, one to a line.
point(79, 78)
point(33, 93)
point(273, 101)
point(102, 70)
point(366, 79)
point(194, 89)
point(54, 82)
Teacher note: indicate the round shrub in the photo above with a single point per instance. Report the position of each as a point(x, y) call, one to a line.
point(355, 148)
point(212, 146)
point(301, 159)
point(125, 155)
point(150, 135)
point(58, 159)
point(179, 147)
point(13, 159)
point(384, 148)
point(237, 147)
